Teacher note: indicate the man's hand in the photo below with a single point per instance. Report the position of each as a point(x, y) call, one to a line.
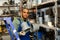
point(22, 33)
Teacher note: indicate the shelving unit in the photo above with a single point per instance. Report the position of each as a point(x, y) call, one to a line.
point(9, 7)
point(54, 4)
point(45, 4)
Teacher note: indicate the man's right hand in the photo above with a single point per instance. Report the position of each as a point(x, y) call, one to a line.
point(22, 33)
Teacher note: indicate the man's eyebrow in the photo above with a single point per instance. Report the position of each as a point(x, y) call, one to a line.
point(25, 12)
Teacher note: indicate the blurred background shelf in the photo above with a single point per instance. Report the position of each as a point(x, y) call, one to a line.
point(9, 6)
point(45, 4)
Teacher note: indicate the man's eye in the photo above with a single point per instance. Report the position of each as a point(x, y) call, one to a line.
point(25, 12)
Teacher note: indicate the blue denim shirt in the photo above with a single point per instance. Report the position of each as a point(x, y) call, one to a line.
point(26, 37)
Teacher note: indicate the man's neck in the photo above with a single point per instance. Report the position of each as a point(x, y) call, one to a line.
point(24, 19)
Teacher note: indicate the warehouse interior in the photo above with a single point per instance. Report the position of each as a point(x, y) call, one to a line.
point(29, 20)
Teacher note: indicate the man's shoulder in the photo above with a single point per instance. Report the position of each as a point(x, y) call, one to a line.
point(16, 20)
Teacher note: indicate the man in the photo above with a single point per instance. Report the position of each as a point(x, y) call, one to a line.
point(24, 35)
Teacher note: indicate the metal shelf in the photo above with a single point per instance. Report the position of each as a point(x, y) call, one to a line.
point(10, 15)
point(5, 15)
point(9, 6)
point(45, 4)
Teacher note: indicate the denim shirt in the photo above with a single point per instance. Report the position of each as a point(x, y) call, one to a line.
point(26, 37)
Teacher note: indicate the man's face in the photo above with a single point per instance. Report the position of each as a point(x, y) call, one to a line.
point(25, 13)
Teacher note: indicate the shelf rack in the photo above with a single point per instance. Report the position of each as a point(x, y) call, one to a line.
point(9, 6)
point(55, 4)
point(45, 4)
